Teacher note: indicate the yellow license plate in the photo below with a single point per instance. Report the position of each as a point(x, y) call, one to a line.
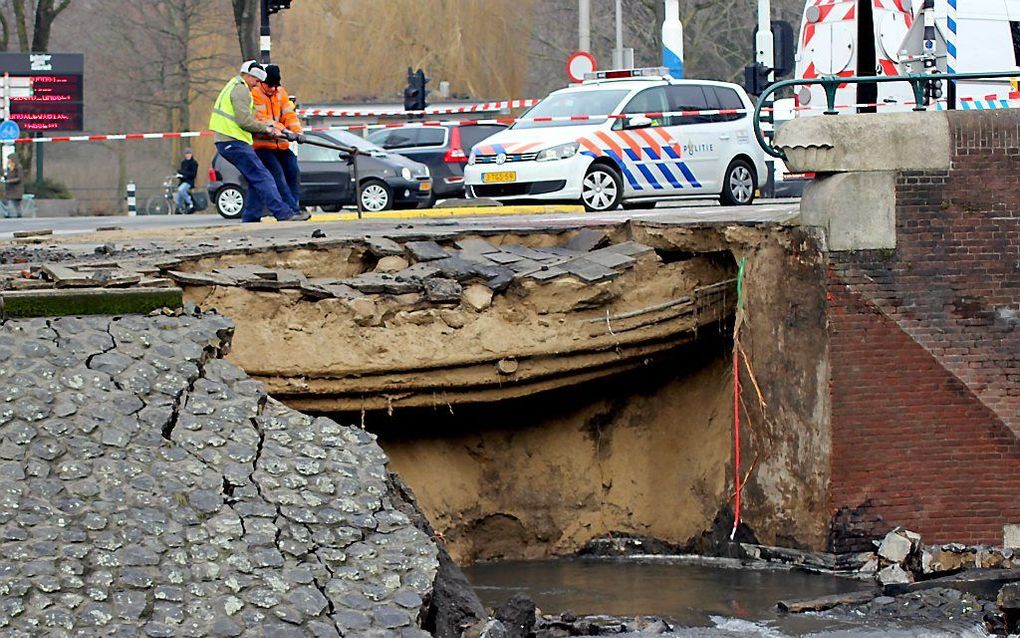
point(499, 178)
point(425, 186)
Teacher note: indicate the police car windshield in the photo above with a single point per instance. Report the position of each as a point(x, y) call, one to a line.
point(571, 103)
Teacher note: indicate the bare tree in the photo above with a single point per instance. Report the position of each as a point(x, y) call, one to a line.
point(169, 54)
point(246, 20)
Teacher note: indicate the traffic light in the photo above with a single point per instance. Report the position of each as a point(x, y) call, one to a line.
point(415, 95)
point(278, 5)
point(756, 78)
point(783, 47)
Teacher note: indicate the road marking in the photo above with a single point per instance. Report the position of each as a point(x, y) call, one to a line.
point(468, 211)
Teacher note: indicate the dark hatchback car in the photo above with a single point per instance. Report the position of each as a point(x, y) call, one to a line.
point(444, 149)
point(386, 180)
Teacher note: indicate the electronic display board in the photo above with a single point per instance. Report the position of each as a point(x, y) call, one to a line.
point(57, 90)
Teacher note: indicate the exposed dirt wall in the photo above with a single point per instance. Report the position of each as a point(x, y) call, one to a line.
point(786, 444)
point(541, 476)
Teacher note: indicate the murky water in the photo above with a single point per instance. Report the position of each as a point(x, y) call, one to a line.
point(717, 600)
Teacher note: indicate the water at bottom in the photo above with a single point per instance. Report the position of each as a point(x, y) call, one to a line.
point(702, 599)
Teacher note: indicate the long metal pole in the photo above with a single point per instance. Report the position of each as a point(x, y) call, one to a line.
point(618, 51)
point(584, 25)
point(765, 54)
point(264, 40)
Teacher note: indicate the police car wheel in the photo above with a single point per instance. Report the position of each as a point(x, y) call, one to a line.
point(738, 184)
point(601, 189)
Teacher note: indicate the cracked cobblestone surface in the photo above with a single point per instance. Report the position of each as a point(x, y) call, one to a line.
point(149, 488)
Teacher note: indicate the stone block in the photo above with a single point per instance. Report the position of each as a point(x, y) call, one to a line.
point(477, 297)
point(895, 547)
point(856, 210)
point(1011, 536)
point(866, 142)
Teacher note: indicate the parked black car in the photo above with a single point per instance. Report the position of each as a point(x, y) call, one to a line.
point(387, 180)
point(444, 149)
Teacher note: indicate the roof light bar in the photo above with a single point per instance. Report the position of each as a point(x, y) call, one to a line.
point(618, 74)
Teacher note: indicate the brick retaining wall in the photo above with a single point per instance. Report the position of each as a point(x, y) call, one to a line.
point(925, 352)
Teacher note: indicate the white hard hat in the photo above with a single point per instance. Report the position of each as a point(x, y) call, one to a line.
point(254, 69)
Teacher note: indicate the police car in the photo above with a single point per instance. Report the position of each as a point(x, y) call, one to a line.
point(617, 138)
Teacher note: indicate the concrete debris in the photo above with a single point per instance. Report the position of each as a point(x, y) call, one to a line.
point(894, 575)
point(477, 297)
point(382, 246)
point(425, 250)
point(391, 264)
point(897, 545)
point(478, 246)
point(151, 488)
point(828, 602)
point(587, 240)
point(440, 290)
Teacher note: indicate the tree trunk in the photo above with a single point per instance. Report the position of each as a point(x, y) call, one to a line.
point(246, 18)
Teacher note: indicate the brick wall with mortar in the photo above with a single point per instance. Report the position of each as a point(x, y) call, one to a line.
point(925, 353)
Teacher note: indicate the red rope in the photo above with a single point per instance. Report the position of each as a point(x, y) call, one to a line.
point(736, 442)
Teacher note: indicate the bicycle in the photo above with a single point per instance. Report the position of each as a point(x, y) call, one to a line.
point(27, 207)
point(166, 203)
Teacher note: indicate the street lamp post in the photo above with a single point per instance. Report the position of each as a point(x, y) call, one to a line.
point(584, 25)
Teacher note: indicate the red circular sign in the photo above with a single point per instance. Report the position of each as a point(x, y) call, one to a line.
point(580, 63)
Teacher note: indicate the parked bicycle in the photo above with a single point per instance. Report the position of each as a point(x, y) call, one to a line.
point(165, 203)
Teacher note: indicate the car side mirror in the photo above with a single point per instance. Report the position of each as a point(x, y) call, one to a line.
point(639, 121)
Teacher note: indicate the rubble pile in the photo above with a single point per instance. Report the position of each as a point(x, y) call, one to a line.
point(902, 558)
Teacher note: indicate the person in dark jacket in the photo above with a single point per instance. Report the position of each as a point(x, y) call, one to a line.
point(188, 172)
point(14, 189)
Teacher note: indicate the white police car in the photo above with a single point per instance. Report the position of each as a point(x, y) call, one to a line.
point(625, 144)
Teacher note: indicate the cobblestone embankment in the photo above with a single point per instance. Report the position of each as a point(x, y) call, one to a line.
point(149, 488)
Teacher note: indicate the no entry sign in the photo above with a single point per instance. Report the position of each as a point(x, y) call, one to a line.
point(580, 63)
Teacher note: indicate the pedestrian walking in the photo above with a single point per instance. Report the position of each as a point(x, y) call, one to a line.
point(233, 122)
point(187, 173)
point(14, 189)
point(273, 105)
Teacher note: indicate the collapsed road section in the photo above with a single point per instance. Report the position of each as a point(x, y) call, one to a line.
point(536, 387)
point(471, 320)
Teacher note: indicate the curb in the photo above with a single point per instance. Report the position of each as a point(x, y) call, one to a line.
point(21, 304)
point(467, 211)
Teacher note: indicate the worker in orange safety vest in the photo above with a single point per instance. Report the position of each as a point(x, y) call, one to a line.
point(272, 104)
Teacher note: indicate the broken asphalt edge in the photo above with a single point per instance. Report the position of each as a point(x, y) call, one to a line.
point(467, 211)
point(21, 304)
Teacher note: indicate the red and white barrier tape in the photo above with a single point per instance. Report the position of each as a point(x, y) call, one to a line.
point(1013, 96)
point(484, 107)
point(112, 138)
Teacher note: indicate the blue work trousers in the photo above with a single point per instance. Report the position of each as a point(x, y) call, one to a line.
point(283, 166)
point(262, 192)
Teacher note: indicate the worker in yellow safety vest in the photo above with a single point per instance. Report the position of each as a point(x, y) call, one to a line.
point(233, 121)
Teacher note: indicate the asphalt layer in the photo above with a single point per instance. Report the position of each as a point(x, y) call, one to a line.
point(686, 211)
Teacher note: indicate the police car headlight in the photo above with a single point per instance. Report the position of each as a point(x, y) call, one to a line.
point(406, 173)
point(471, 159)
point(563, 151)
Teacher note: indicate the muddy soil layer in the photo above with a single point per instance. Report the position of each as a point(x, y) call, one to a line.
point(645, 453)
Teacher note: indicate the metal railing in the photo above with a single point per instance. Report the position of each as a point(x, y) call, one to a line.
point(919, 82)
